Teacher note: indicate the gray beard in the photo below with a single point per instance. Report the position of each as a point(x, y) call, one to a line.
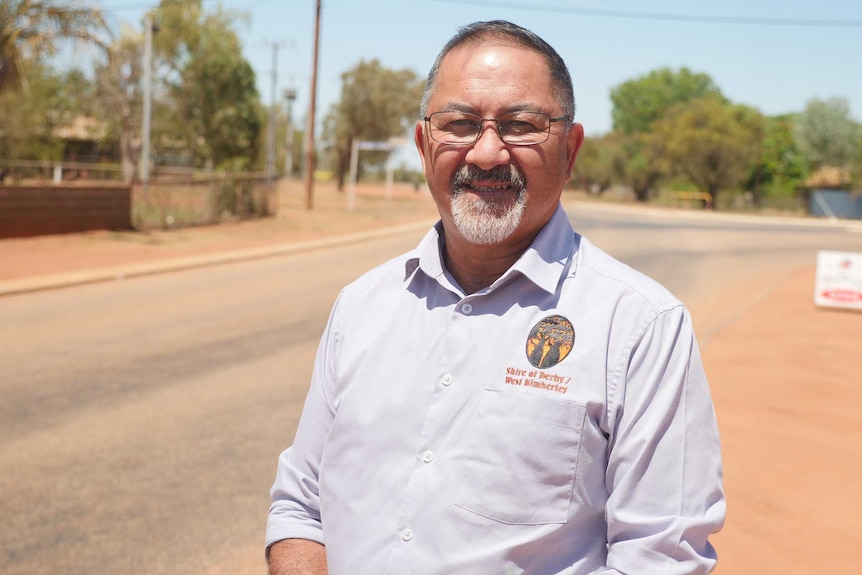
point(487, 221)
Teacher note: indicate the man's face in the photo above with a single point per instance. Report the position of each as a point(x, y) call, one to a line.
point(490, 192)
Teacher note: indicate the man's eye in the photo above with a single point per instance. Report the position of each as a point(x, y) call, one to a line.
point(518, 127)
point(462, 123)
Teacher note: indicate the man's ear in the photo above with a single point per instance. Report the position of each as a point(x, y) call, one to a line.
point(573, 144)
point(421, 142)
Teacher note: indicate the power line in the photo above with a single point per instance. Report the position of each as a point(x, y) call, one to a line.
point(668, 17)
point(147, 6)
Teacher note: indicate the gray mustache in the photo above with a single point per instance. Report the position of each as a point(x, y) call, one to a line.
point(499, 174)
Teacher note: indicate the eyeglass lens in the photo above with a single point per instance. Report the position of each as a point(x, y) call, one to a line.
point(521, 128)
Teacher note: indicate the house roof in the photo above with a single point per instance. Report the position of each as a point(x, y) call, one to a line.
point(829, 177)
point(81, 128)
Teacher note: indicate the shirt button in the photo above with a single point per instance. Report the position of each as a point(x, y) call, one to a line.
point(447, 380)
point(428, 456)
point(467, 308)
point(407, 534)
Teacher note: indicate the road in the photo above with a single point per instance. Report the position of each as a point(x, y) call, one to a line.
point(141, 419)
point(719, 265)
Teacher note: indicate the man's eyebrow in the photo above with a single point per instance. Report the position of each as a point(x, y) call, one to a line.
point(523, 108)
point(457, 107)
point(460, 107)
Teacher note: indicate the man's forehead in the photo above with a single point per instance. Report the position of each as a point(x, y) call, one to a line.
point(502, 67)
point(488, 51)
point(495, 62)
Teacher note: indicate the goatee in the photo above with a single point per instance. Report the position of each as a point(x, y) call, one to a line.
point(491, 218)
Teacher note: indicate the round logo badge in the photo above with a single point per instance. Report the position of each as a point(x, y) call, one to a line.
point(550, 341)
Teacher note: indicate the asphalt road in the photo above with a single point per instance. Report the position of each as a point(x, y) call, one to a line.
point(141, 419)
point(720, 265)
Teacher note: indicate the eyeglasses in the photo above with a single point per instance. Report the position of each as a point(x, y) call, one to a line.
point(514, 128)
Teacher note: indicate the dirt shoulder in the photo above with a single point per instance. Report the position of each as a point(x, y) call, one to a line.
point(786, 383)
point(373, 209)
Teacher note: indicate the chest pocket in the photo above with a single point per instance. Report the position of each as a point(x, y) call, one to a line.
point(522, 458)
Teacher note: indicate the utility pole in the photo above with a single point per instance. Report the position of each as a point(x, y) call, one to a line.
point(144, 167)
point(309, 134)
point(289, 96)
point(270, 149)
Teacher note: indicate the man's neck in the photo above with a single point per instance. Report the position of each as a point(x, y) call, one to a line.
point(475, 267)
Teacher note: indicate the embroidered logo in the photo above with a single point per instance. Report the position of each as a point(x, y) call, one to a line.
point(550, 341)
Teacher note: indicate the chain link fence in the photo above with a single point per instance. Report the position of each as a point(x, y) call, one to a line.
point(191, 202)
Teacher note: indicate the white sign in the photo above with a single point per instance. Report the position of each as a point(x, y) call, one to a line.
point(839, 280)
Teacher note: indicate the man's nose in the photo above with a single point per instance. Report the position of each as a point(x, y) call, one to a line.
point(489, 150)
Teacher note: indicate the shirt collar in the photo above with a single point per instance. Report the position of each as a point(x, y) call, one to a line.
point(548, 257)
point(427, 256)
point(544, 262)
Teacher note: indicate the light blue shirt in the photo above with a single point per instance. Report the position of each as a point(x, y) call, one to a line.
point(557, 422)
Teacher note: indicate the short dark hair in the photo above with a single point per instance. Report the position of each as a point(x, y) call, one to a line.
point(561, 80)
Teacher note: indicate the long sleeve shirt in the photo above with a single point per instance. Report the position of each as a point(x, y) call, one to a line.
point(557, 422)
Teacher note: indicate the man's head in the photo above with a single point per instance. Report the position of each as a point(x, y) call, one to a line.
point(497, 140)
point(506, 32)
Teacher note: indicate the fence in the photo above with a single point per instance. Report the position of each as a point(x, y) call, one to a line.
point(174, 197)
point(39, 172)
point(191, 202)
point(835, 204)
point(53, 209)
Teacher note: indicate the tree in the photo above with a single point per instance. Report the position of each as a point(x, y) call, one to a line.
point(782, 167)
point(826, 133)
point(212, 97)
point(856, 170)
point(120, 91)
point(376, 104)
point(639, 102)
point(26, 124)
point(637, 105)
point(710, 142)
point(30, 31)
point(601, 162)
point(31, 127)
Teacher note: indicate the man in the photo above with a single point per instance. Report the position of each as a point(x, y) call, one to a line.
point(506, 398)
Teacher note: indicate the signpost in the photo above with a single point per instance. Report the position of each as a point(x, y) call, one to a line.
point(358, 145)
point(839, 280)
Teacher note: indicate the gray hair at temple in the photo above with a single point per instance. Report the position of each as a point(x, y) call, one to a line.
point(502, 30)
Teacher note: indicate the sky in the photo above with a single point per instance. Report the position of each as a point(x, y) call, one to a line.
point(745, 46)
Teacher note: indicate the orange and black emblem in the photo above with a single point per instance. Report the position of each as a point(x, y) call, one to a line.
point(550, 341)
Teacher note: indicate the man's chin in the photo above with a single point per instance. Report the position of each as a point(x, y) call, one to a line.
point(487, 222)
point(485, 192)
point(479, 201)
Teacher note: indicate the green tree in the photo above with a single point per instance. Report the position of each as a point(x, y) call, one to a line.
point(643, 166)
point(637, 105)
point(639, 102)
point(212, 99)
point(782, 167)
point(31, 30)
point(710, 142)
point(826, 133)
point(601, 162)
point(376, 104)
point(26, 124)
point(30, 126)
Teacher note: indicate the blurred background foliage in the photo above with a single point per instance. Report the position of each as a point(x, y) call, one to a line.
point(673, 129)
